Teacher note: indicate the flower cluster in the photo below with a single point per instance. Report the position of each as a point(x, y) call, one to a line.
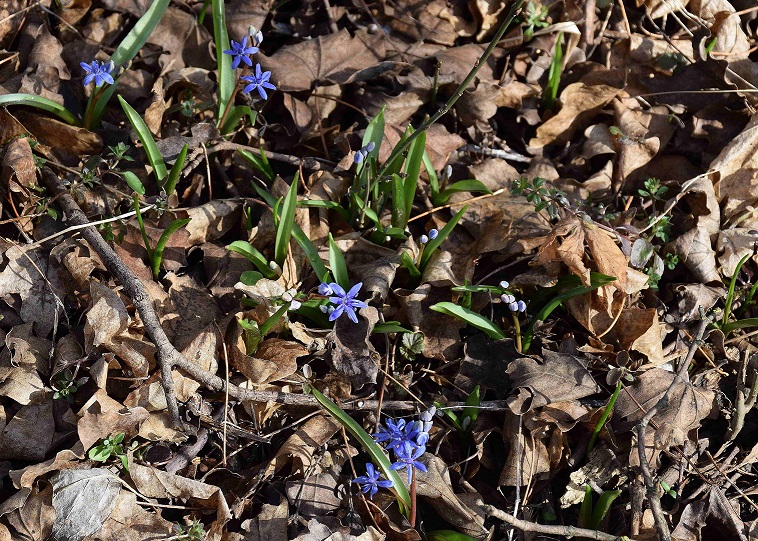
point(510, 300)
point(407, 440)
point(344, 302)
point(240, 53)
point(433, 233)
point(364, 152)
point(98, 71)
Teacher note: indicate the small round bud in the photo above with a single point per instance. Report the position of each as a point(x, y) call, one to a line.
point(504, 284)
point(370, 146)
point(521, 306)
point(287, 296)
point(324, 308)
point(513, 307)
point(325, 289)
point(448, 172)
point(423, 239)
point(295, 304)
point(358, 158)
point(307, 371)
point(433, 233)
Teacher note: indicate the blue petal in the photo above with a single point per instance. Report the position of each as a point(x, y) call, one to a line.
point(337, 312)
point(262, 92)
point(354, 290)
point(88, 79)
point(108, 78)
point(351, 314)
point(337, 289)
point(246, 60)
point(235, 62)
point(355, 303)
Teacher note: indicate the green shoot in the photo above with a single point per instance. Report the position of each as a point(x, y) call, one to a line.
point(143, 132)
point(472, 318)
point(554, 74)
point(286, 221)
point(604, 418)
point(176, 169)
point(254, 256)
point(261, 163)
point(337, 264)
point(155, 255)
point(41, 103)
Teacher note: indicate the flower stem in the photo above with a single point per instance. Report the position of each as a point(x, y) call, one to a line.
point(412, 514)
point(517, 327)
point(230, 103)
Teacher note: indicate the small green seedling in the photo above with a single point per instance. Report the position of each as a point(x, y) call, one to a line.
point(592, 518)
point(725, 325)
point(533, 18)
point(108, 447)
point(194, 531)
point(66, 386)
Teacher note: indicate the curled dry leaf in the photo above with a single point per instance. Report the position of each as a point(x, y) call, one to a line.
point(351, 354)
point(275, 359)
point(20, 371)
point(102, 416)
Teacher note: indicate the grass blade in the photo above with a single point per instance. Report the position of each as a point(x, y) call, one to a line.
point(338, 265)
point(302, 239)
point(40, 103)
point(378, 455)
point(434, 181)
point(470, 185)
point(412, 172)
point(133, 182)
point(224, 61)
point(554, 74)
point(173, 175)
point(331, 205)
point(143, 132)
point(399, 217)
point(128, 49)
point(287, 219)
point(443, 234)
point(375, 133)
point(235, 115)
point(172, 228)
point(472, 318)
point(260, 163)
point(254, 256)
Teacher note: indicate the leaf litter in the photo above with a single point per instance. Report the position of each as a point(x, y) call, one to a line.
point(621, 215)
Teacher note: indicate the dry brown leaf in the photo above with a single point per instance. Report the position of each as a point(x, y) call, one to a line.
point(275, 359)
point(351, 353)
point(579, 105)
point(558, 378)
point(29, 435)
point(301, 446)
point(101, 416)
point(316, 495)
point(333, 58)
point(107, 326)
point(19, 170)
point(31, 275)
point(130, 522)
point(435, 486)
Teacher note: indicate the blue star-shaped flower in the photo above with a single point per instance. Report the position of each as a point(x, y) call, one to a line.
point(407, 457)
point(259, 81)
point(345, 302)
point(240, 52)
point(397, 433)
point(99, 71)
point(372, 481)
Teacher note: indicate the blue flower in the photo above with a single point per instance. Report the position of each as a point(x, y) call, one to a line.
point(99, 71)
point(240, 52)
point(397, 433)
point(372, 481)
point(364, 152)
point(407, 456)
point(259, 81)
point(346, 302)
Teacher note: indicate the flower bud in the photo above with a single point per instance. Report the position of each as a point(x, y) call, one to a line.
point(433, 234)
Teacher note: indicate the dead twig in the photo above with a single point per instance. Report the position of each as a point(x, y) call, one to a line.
point(653, 497)
point(565, 531)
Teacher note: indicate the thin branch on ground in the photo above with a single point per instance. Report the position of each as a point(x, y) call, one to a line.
point(565, 531)
point(653, 497)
